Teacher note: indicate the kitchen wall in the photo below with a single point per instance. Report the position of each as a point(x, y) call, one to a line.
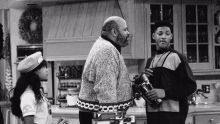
point(132, 65)
point(2, 79)
point(4, 21)
point(213, 95)
point(15, 40)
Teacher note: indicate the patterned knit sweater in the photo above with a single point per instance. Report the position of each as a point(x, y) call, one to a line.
point(106, 85)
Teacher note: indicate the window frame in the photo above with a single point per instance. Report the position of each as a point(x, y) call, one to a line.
point(180, 33)
point(197, 67)
point(148, 27)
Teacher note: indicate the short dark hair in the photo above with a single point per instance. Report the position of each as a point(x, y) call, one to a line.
point(109, 25)
point(162, 23)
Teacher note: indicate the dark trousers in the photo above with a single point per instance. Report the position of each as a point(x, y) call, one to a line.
point(165, 118)
point(85, 117)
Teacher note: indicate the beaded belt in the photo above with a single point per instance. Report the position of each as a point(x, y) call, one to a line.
point(104, 108)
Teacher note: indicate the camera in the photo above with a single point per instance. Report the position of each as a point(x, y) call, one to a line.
point(142, 86)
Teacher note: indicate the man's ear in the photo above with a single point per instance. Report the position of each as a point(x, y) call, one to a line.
point(171, 36)
point(153, 36)
point(114, 32)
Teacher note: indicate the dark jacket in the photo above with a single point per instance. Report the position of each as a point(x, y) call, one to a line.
point(172, 73)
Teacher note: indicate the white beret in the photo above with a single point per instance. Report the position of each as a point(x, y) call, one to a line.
point(30, 62)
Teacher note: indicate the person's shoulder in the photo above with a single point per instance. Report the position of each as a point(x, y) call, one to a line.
point(103, 45)
point(151, 57)
point(28, 93)
point(180, 55)
point(149, 61)
point(108, 49)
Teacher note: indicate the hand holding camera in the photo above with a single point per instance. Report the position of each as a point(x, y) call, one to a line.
point(146, 90)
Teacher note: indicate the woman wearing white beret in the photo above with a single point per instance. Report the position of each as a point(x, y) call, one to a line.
point(28, 101)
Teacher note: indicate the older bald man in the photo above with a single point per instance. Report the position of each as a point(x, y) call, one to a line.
point(106, 86)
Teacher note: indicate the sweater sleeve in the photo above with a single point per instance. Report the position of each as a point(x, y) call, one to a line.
point(186, 82)
point(106, 77)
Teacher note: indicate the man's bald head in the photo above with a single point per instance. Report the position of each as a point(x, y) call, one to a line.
point(115, 28)
point(112, 22)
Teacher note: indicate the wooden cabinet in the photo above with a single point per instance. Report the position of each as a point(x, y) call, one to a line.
point(195, 33)
point(216, 36)
point(141, 121)
point(69, 81)
point(76, 120)
point(203, 118)
point(161, 11)
point(197, 43)
point(196, 115)
point(71, 29)
point(70, 114)
point(207, 119)
point(70, 121)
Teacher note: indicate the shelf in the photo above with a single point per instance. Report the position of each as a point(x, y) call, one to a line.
point(26, 50)
point(63, 88)
point(152, 23)
point(67, 84)
point(68, 78)
point(68, 88)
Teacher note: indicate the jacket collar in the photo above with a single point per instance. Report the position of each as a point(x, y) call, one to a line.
point(113, 43)
point(161, 51)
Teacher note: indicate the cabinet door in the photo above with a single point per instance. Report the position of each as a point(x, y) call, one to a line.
point(207, 119)
point(189, 120)
point(216, 36)
point(141, 121)
point(197, 36)
point(156, 12)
